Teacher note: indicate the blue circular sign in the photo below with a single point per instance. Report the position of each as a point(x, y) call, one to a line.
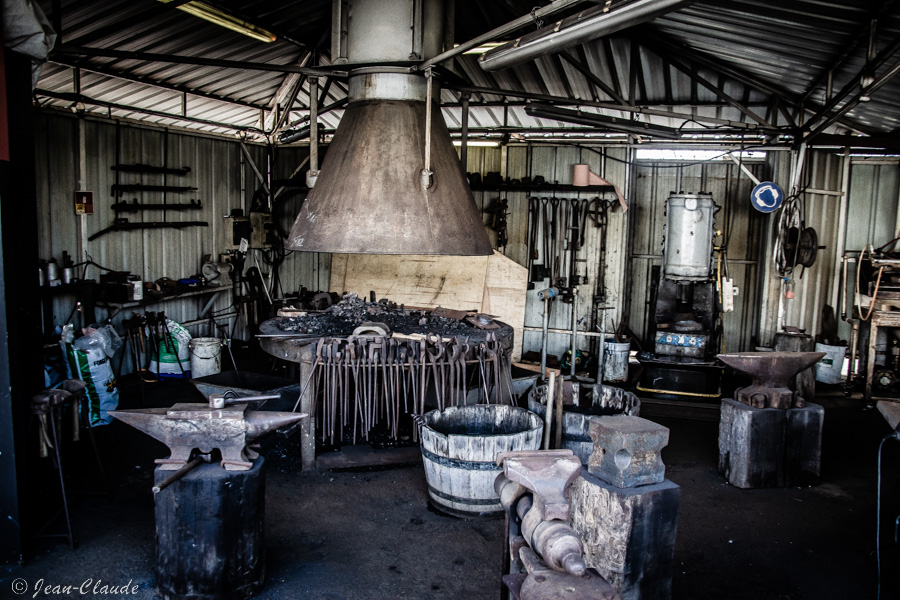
point(766, 197)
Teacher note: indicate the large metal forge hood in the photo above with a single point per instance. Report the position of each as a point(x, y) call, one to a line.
point(369, 196)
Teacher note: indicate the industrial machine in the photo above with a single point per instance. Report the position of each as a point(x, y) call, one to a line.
point(684, 327)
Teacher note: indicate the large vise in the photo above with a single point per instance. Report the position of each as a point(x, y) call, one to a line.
point(544, 556)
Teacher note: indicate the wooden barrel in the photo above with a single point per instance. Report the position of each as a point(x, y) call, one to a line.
point(459, 449)
point(604, 400)
point(209, 534)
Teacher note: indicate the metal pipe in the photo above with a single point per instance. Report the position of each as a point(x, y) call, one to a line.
point(544, 338)
point(464, 132)
point(574, 331)
point(842, 229)
point(313, 172)
point(577, 29)
point(548, 423)
point(548, 111)
point(499, 32)
point(565, 101)
point(558, 407)
point(426, 172)
point(564, 331)
point(187, 468)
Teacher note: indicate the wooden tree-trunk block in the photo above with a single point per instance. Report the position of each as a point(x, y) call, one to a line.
point(803, 444)
point(768, 447)
point(628, 534)
point(751, 445)
point(209, 534)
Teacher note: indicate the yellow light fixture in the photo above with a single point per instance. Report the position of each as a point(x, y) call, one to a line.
point(482, 143)
point(209, 13)
point(483, 47)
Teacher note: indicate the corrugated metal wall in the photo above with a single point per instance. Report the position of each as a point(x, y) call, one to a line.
point(555, 164)
point(740, 224)
point(155, 253)
point(875, 208)
point(813, 286)
point(633, 242)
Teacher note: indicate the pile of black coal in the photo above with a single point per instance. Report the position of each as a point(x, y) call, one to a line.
point(343, 318)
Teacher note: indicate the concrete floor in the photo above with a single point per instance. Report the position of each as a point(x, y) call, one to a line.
point(370, 534)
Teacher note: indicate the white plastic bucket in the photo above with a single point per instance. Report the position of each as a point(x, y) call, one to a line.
point(615, 365)
point(206, 356)
point(829, 369)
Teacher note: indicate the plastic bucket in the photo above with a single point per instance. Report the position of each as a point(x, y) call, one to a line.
point(459, 450)
point(206, 356)
point(615, 360)
point(829, 369)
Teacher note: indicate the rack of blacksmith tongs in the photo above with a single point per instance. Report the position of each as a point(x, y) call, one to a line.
point(365, 381)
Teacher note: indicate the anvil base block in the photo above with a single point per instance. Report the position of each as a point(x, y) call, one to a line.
point(628, 534)
point(209, 534)
point(768, 447)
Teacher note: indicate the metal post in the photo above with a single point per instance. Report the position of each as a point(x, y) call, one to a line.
point(464, 131)
point(544, 338)
point(307, 401)
point(313, 132)
point(574, 332)
point(426, 172)
point(548, 424)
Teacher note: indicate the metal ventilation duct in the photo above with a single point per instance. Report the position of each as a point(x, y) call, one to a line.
point(369, 196)
point(580, 28)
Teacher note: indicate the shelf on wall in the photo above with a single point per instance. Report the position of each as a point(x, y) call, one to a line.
point(547, 187)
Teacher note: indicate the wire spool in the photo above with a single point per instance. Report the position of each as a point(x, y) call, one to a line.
point(796, 244)
point(800, 247)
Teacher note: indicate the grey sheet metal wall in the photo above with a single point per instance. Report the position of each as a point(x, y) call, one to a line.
point(215, 170)
point(741, 225)
point(633, 244)
point(555, 164)
point(815, 287)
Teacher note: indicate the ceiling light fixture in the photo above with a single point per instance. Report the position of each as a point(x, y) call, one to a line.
point(222, 19)
point(483, 47)
point(482, 143)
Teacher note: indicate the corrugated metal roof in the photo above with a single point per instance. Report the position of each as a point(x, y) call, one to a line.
point(755, 52)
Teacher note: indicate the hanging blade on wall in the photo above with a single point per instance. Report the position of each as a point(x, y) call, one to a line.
point(139, 168)
point(135, 206)
point(119, 188)
point(121, 224)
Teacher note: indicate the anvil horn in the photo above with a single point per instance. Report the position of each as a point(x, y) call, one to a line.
point(146, 420)
point(261, 422)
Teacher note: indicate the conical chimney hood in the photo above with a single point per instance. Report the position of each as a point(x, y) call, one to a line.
point(369, 196)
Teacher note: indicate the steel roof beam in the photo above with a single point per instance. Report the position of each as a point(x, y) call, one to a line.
point(72, 97)
point(611, 65)
point(862, 34)
point(677, 49)
point(192, 60)
point(612, 106)
point(715, 89)
point(145, 81)
point(852, 103)
point(844, 94)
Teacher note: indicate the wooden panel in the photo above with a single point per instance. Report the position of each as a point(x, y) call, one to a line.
point(504, 296)
point(494, 285)
point(426, 281)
